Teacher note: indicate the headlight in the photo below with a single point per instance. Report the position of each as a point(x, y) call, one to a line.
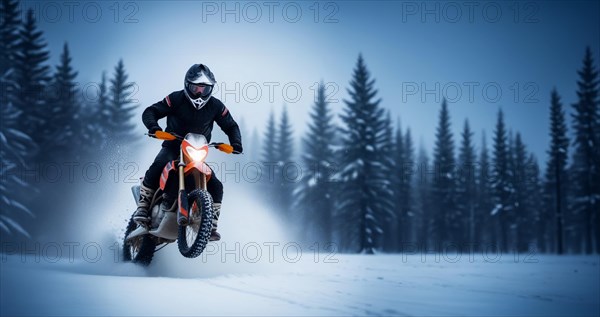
point(196, 155)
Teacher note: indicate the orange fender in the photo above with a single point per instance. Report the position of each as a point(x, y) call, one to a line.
point(200, 166)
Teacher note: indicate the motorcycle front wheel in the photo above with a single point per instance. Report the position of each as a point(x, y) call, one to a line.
point(192, 238)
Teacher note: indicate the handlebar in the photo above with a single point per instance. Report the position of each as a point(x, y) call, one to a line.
point(162, 135)
point(169, 136)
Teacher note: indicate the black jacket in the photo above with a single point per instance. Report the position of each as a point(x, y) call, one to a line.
point(183, 118)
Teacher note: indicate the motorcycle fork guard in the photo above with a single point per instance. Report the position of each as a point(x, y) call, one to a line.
point(200, 180)
point(183, 217)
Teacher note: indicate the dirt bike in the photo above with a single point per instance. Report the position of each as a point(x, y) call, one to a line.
point(191, 224)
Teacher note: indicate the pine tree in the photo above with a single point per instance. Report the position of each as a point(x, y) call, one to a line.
point(60, 136)
point(364, 201)
point(423, 200)
point(556, 177)
point(399, 186)
point(96, 120)
point(16, 149)
point(23, 76)
point(486, 234)
point(316, 195)
point(522, 215)
point(501, 186)
point(533, 191)
point(103, 106)
point(585, 168)
point(391, 233)
point(269, 155)
point(286, 178)
point(122, 107)
point(9, 37)
point(401, 174)
point(407, 187)
point(444, 183)
point(468, 222)
point(31, 78)
point(268, 148)
point(254, 152)
point(284, 144)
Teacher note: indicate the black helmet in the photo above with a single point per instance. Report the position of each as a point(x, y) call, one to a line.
point(198, 84)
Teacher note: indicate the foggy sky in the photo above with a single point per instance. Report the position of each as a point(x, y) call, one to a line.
point(417, 52)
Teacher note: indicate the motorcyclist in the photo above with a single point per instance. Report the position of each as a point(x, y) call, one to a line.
point(191, 110)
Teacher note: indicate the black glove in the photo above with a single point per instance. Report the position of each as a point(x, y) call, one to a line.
point(153, 129)
point(237, 148)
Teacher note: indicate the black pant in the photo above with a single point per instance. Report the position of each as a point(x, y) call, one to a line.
point(167, 154)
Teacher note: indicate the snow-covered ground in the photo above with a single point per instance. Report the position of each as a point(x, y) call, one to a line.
point(355, 285)
point(254, 271)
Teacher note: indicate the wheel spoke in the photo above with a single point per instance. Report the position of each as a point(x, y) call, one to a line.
point(191, 232)
point(189, 238)
point(134, 247)
point(193, 228)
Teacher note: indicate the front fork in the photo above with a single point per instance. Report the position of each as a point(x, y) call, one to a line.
point(183, 215)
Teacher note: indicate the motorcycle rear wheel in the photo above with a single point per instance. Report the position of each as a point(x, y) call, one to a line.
point(192, 238)
point(139, 250)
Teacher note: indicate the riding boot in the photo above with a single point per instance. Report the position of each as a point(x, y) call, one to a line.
point(141, 215)
point(214, 235)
